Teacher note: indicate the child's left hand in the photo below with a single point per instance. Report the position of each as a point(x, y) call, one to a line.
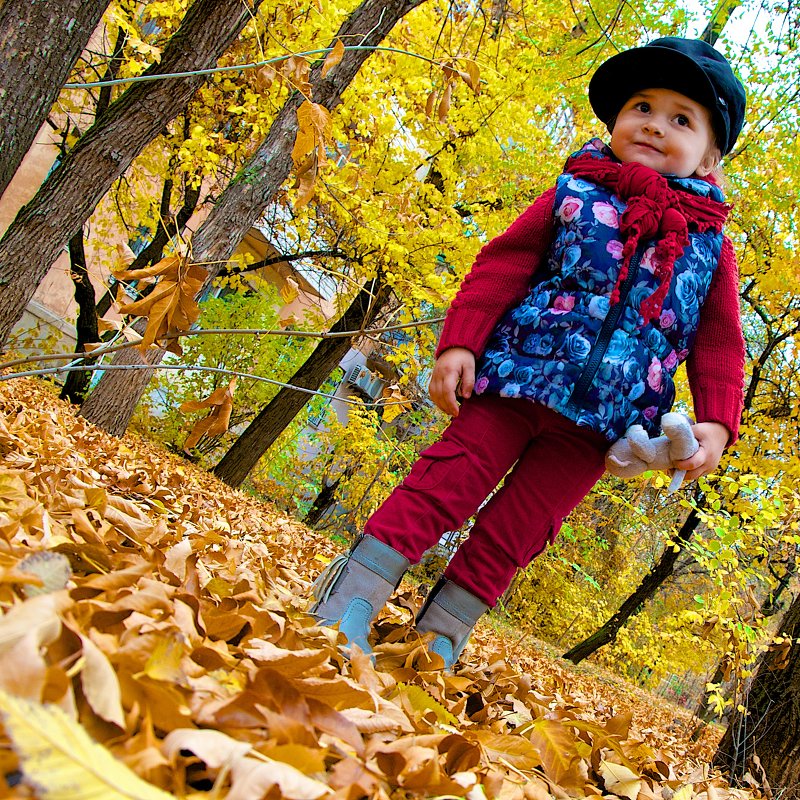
point(712, 438)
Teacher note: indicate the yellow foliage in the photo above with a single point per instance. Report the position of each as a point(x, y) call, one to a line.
point(61, 759)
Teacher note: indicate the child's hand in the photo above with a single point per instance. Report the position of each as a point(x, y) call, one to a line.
point(712, 438)
point(453, 373)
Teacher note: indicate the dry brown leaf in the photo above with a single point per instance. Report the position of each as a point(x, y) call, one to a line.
point(221, 403)
point(252, 778)
point(37, 617)
point(100, 684)
point(170, 307)
point(333, 58)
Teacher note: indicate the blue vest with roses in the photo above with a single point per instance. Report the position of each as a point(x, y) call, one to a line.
point(566, 345)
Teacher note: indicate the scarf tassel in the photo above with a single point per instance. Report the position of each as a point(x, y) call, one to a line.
point(653, 208)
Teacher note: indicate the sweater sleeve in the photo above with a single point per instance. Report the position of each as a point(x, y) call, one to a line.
point(715, 365)
point(499, 278)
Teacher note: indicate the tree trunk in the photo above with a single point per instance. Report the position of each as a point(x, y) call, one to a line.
point(77, 383)
point(322, 502)
point(243, 203)
point(69, 195)
point(769, 606)
point(634, 603)
point(40, 41)
point(262, 432)
point(767, 735)
point(110, 411)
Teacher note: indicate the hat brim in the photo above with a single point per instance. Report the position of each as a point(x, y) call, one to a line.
point(651, 67)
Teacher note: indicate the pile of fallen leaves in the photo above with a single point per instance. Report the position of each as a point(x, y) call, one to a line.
point(154, 643)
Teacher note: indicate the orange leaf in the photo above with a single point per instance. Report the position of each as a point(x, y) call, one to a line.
point(430, 103)
point(444, 103)
point(265, 77)
point(217, 421)
point(313, 131)
point(333, 58)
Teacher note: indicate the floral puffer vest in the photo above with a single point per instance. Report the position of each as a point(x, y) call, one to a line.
point(567, 346)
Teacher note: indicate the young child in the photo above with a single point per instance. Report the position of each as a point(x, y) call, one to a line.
point(569, 329)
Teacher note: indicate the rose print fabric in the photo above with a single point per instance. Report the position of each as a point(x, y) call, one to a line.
point(553, 340)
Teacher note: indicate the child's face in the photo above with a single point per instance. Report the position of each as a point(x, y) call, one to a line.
point(666, 131)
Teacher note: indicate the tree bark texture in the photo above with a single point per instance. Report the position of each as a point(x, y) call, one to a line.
point(767, 736)
point(243, 203)
point(77, 382)
point(113, 412)
point(634, 603)
point(271, 421)
point(70, 194)
point(40, 41)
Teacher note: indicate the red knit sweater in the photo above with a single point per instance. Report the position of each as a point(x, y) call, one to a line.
point(500, 279)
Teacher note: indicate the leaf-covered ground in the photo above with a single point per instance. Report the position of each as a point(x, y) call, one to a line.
point(180, 643)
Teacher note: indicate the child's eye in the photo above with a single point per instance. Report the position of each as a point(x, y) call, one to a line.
point(642, 106)
point(682, 119)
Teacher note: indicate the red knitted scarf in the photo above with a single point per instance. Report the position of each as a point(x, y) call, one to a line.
point(655, 210)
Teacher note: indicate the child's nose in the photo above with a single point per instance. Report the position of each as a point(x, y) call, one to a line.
point(654, 127)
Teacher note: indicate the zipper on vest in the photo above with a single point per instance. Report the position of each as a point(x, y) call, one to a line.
point(604, 337)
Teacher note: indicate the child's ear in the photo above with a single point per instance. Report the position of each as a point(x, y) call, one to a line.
point(709, 163)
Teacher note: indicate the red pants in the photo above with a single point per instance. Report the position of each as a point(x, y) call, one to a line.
point(557, 463)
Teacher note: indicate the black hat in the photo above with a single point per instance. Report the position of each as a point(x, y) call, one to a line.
point(689, 66)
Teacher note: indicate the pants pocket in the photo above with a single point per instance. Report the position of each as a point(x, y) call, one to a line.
point(439, 462)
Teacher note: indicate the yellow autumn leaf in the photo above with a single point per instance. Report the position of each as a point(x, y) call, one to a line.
point(472, 77)
point(333, 58)
point(164, 663)
point(557, 747)
point(289, 290)
point(514, 749)
point(13, 492)
point(686, 792)
point(420, 701)
point(100, 684)
point(62, 762)
point(218, 419)
point(313, 131)
point(620, 780)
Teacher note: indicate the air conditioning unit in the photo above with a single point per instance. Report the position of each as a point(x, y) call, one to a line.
point(363, 380)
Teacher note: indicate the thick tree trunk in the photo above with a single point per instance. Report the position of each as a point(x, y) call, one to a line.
point(767, 735)
point(633, 604)
point(243, 203)
point(77, 383)
point(107, 410)
point(40, 41)
point(68, 197)
point(769, 606)
point(262, 432)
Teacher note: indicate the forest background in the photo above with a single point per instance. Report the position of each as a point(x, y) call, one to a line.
point(383, 144)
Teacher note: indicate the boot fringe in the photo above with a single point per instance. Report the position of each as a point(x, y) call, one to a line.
point(322, 587)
